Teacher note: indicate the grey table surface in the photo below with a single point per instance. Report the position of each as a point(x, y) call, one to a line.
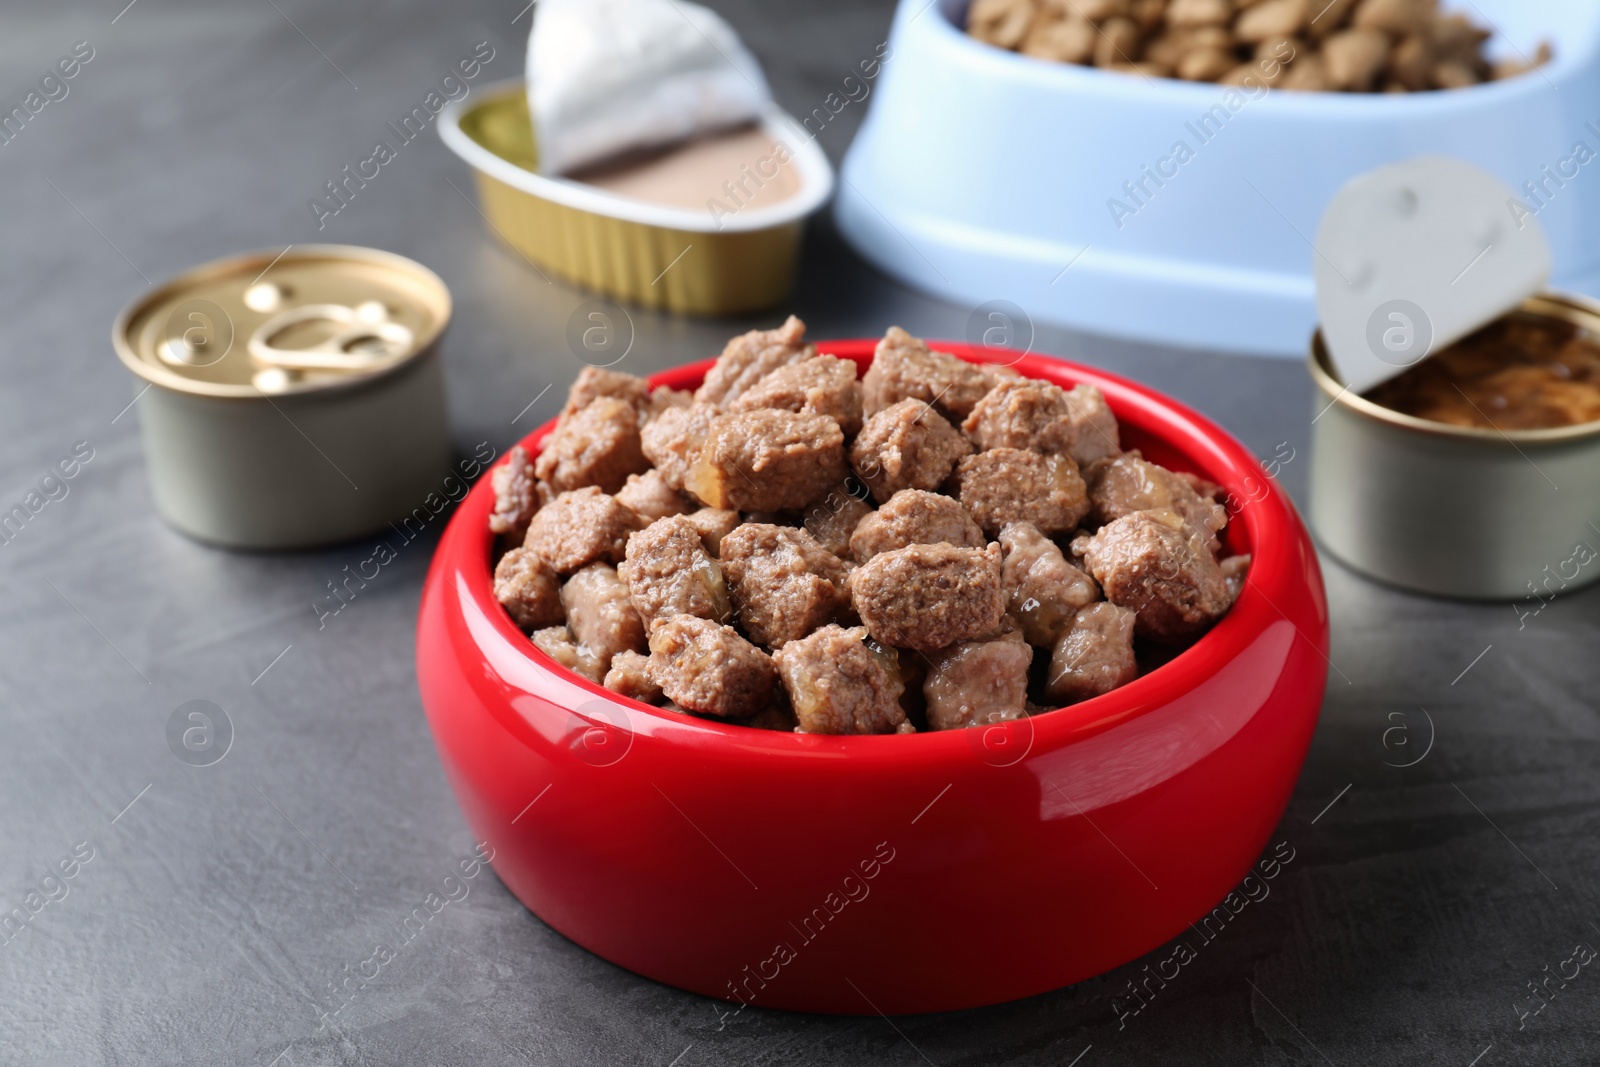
point(220, 903)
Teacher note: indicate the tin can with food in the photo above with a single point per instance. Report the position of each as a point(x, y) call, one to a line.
point(1465, 509)
point(293, 397)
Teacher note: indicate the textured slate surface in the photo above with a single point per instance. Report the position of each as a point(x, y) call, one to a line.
point(222, 905)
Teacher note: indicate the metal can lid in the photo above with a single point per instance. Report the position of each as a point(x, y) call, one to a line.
point(304, 318)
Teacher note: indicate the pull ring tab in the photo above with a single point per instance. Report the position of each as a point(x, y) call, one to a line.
point(342, 339)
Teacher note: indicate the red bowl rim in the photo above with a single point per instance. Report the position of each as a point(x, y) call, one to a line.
point(1271, 531)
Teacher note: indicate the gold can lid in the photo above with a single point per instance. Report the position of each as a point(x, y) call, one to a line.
point(290, 320)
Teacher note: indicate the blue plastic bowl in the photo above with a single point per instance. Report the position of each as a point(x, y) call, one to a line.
point(982, 174)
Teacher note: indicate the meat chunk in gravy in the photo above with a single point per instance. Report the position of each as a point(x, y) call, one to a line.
point(529, 589)
point(600, 613)
point(579, 528)
point(837, 684)
point(595, 382)
point(976, 683)
point(904, 368)
point(669, 572)
point(1129, 482)
point(1158, 565)
point(672, 440)
point(1043, 590)
point(649, 496)
point(821, 385)
point(832, 518)
point(914, 517)
point(928, 597)
point(630, 676)
point(1094, 655)
point(597, 445)
point(516, 494)
point(710, 669)
point(784, 584)
point(907, 445)
point(1012, 485)
point(767, 461)
point(752, 356)
point(558, 643)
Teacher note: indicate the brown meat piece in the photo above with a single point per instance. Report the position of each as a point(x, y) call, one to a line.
point(832, 519)
point(516, 494)
point(672, 440)
point(528, 589)
point(929, 596)
point(597, 445)
point(630, 676)
point(752, 356)
point(600, 613)
point(557, 643)
point(710, 669)
point(977, 683)
point(821, 385)
point(594, 382)
point(1094, 428)
point(669, 572)
point(1043, 590)
point(914, 517)
point(907, 445)
point(767, 461)
point(1130, 483)
point(839, 685)
point(650, 497)
point(777, 715)
point(579, 528)
point(784, 584)
point(1157, 564)
point(663, 397)
point(1010, 485)
point(1094, 655)
point(1022, 413)
point(904, 368)
point(1235, 569)
point(713, 524)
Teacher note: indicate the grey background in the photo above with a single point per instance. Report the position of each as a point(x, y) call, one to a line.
point(226, 898)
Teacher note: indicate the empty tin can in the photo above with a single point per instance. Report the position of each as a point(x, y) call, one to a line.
point(290, 398)
point(1457, 511)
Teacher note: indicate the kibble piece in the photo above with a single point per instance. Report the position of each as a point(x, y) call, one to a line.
point(1155, 563)
point(1043, 590)
point(748, 358)
point(579, 528)
point(595, 382)
point(1011, 485)
point(1000, 22)
point(1272, 18)
point(597, 445)
point(1100, 10)
point(1130, 483)
point(1206, 64)
point(669, 572)
point(837, 684)
point(904, 368)
point(1353, 59)
point(833, 518)
point(929, 596)
point(976, 683)
point(767, 461)
point(821, 385)
point(1412, 63)
point(906, 446)
point(650, 497)
point(672, 440)
point(710, 669)
point(1118, 43)
point(1235, 569)
point(1068, 40)
point(600, 613)
point(1199, 12)
point(784, 584)
point(1395, 16)
point(516, 494)
point(914, 517)
point(1094, 655)
point(630, 675)
point(529, 589)
point(713, 524)
point(1452, 74)
point(1455, 37)
point(557, 643)
point(1330, 16)
point(1306, 74)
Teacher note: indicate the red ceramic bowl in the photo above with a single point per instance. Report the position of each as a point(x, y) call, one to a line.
point(900, 873)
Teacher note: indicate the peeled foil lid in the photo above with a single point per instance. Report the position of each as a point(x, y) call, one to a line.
point(606, 77)
point(1414, 256)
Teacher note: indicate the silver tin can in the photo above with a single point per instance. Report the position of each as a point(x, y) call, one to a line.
point(1456, 511)
point(290, 398)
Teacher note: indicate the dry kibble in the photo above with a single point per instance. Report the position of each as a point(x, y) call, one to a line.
point(1456, 37)
point(1000, 22)
point(1394, 16)
point(1100, 10)
point(1149, 14)
point(1070, 40)
point(1452, 74)
point(1199, 12)
point(1354, 58)
point(1306, 75)
point(1411, 65)
point(1206, 65)
point(1273, 18)
point(1118, 43)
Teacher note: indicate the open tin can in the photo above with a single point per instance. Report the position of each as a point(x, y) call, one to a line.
point(291, 398)
point(1457, 511)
